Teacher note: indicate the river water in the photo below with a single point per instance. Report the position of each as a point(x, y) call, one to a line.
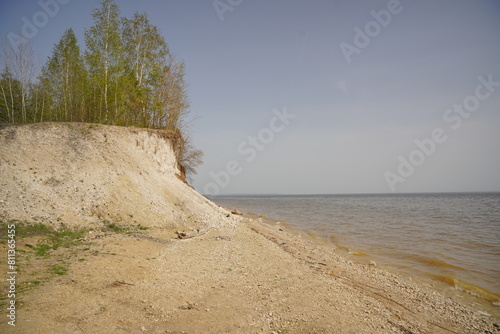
point(453, 237)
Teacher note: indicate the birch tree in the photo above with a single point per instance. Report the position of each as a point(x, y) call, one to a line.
point(63, 81)
point(104, 58)
point(10, 97)
point(171, 102)
point(146, 54)
point(20, 70)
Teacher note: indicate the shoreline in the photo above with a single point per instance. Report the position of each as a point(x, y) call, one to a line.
point(242, 276)
point(451, 287)
point(433, 269)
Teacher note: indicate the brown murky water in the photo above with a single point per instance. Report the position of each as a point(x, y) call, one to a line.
point(451, 238)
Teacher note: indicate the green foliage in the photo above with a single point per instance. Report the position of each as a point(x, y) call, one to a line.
point(36, 229)
point(63, 81)
point(51, 238)
point(10, 97)
point(33, 283)
point(43, 249)
point(113, 227)
point(147, 54)
point(125, 76)
point(58, 269)
point(105, 62)
point(17, 80)
point(142, 228)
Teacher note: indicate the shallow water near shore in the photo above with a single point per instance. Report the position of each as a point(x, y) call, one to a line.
point(452, 238)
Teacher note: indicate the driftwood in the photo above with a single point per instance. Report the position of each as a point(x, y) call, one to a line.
point(120, 283)
point(192, 233)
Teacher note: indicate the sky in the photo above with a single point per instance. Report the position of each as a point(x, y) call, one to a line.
point(322, 96)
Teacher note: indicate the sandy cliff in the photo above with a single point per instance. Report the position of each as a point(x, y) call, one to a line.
point(87, 173)
point(241, 276)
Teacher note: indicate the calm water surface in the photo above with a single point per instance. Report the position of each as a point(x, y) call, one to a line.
point(453, 238)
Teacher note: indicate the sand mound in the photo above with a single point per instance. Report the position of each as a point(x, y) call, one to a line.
point(86, 174)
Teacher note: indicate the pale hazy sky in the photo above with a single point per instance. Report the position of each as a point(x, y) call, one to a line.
point(324, 96)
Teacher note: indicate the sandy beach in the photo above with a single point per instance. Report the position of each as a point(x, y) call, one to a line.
point(244, 276)
point(129, 272)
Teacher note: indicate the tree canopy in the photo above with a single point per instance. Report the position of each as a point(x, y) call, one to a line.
point(125, 75)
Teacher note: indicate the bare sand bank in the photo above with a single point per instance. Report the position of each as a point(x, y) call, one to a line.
point(130, 273)
point(243, 276)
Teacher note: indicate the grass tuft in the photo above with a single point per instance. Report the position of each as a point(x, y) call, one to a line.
point(58, 269)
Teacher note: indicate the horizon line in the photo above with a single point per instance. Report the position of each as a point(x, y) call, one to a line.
point(341, 194)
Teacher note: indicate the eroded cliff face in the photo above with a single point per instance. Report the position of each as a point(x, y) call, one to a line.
point(77, 173)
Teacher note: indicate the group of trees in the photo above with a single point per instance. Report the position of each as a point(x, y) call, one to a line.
point(125, 76)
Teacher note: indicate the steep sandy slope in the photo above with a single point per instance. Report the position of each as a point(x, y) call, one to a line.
point(87, 174)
